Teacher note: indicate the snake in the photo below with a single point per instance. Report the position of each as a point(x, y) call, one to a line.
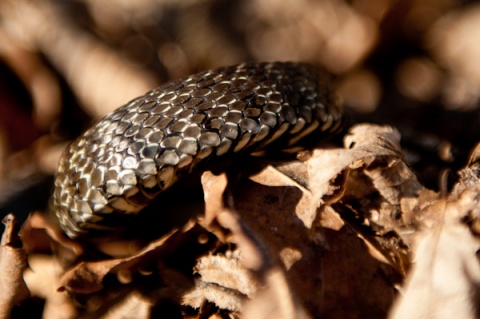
point(123, 162)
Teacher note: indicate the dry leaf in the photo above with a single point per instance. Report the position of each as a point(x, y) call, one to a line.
point(213, 189)
point(227, 271)
point(279, 212)
point(41, 26)
point(42, 280)
point(356, 283)
point(248, 280)
point(13, 261)
point(226, 280)
point(470, 175)
point(158, 272)
point(275, 300)
point(378, 178)
point(284, 248)
point(381, 194)
point(134, 306)
point(328, 237)
point(306, 208)
point(383, 170)
point(40, 230)
point(445, 278)
point(221, 297)
point(87, 277)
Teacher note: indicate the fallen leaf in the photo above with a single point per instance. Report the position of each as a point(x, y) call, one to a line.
point(381, 194)
point(249, 279)
point(275, 301)
point(105, 283)
point(279, 212)
point(13, 261)
point(384, 172)
point(42, 281)
point(469, 175)
point(445, 277)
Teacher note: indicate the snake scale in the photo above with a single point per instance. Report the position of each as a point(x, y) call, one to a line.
point(122, 163)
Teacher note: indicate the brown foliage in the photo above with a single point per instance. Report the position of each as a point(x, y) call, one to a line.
point(363, 230)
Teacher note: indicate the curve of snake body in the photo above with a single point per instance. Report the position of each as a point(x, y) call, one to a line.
point(122, 163)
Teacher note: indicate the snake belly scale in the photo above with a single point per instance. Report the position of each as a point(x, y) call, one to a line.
point(122, 163)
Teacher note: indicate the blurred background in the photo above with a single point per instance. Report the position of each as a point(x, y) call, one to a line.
point(66, 63)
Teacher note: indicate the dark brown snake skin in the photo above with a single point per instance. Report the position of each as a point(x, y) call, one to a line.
point(124, 161)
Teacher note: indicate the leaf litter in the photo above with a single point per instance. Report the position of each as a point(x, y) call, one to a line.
point(333, 234)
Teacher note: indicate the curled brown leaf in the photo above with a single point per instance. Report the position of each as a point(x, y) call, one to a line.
point(13, 261)
point(445, 279)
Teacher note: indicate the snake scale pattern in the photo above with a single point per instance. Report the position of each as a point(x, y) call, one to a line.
point(122, 163)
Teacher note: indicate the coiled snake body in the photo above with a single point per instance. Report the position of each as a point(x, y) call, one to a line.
point(123, 162)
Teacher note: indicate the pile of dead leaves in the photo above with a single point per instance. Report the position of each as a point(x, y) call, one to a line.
point(346, 232)
point(339, 233)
